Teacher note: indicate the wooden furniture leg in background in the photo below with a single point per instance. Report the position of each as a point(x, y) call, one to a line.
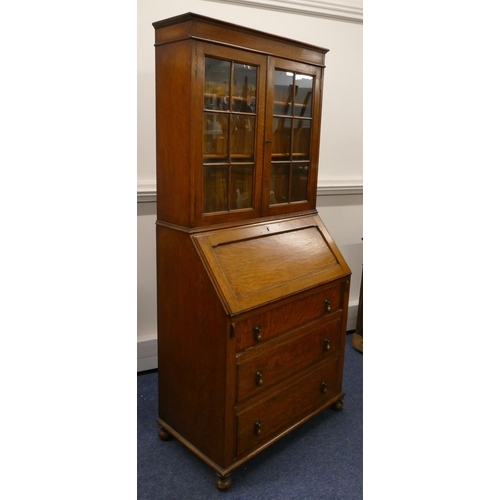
point(357, 337)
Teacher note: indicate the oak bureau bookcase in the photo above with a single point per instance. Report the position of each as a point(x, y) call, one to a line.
point(252, 289)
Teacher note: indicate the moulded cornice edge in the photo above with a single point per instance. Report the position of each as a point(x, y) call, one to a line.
point(348, 10)
point(146, 191)
point(336, 187)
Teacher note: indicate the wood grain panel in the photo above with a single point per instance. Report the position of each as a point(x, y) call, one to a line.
point(288, 316)
point(257, 265)
point(287, 406)
point(275, 365)
point(260, 263)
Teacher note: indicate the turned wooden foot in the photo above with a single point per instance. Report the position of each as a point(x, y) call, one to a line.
point(164, 435)
point(223, 482)
point(338, 405)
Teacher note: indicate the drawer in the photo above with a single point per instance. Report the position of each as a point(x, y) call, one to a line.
point(258, 373)
point(260, 423)
point(268, 325)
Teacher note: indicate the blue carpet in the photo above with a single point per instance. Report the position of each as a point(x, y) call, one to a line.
point(322, 459)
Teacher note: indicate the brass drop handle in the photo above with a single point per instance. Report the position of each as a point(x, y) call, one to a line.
point(327, 345)
point(258, 378)
point(257, 426)
point(328, 307)
point(256, 330)
point(323, 387)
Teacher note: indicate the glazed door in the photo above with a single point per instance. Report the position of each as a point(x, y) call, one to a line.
point(229, 178)
point(292, 137)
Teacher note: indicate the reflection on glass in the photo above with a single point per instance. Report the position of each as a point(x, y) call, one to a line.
point(242, 137)
point(241, 186)
point(229, 135)
point(299, 182)
point(279, 184)
point(217, 78)
point(292, 119)
point(244, 88)
point(215, 137)
point(281, 136)
point(303, 101)
point(215, 189)
point(301, 138)
point(283, 92)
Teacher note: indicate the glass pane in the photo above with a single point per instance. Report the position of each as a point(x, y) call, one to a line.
point(215, 137)
point(242, 137)
point(300, 174)
point(303, 98)
point(215, 189)
point(244, 85)
point(301, 139)
point(279, 184)
point(217, 78)
point(283, 92)
point(281, 137)
point(241, 186)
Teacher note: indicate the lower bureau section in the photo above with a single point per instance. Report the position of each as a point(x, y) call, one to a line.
point(283, 409)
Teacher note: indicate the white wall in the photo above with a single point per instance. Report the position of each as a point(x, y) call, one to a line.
point(340, 203)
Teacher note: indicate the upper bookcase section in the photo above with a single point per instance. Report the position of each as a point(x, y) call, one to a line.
point(204, 28)
point(238, 119)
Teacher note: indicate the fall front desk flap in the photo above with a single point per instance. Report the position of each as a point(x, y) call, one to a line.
point(256, 264)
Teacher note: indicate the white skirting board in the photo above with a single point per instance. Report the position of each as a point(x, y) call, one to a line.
point(147, 350)
point(147, 355)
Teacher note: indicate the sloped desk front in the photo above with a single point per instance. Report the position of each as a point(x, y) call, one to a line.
point(253, 265)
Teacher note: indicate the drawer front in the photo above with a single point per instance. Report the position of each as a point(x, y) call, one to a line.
point(274, 415)
point(258, 373)
point(262, 327)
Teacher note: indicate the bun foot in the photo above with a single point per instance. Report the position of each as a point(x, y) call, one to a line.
point(164, 435)
point(223, 482)
point(338, 405)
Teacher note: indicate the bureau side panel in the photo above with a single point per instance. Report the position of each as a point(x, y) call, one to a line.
point(192, 346)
